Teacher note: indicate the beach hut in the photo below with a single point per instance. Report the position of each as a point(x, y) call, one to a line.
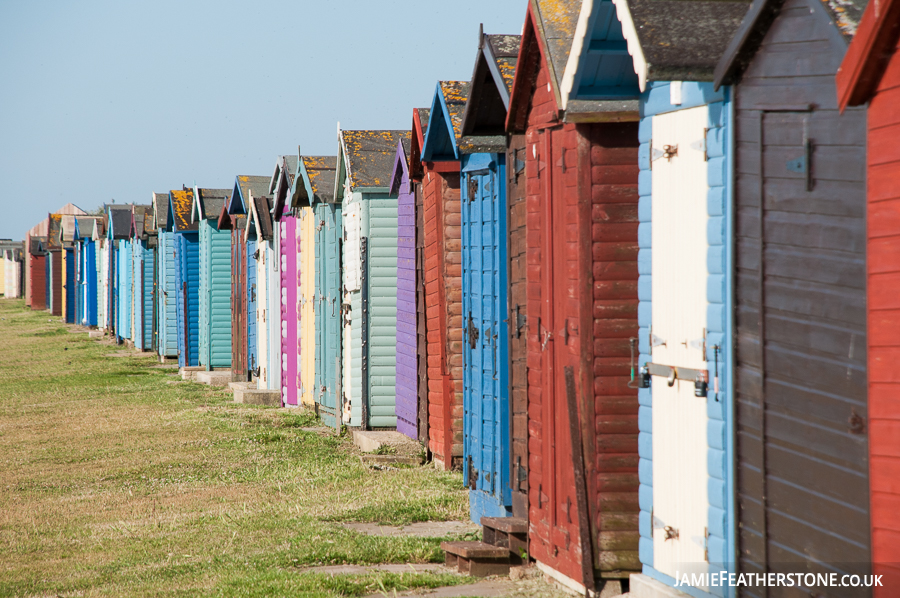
point(103, 279)
point(118, 235)
point(142, 241)
point(800, 294)
point(86, 285)
point(485, 279)
point(165, 289)
point(369, 276)
point(259, 227)
point(686, 418)
point(38, 276)
point(286, 244)
point(186, 241)
point(214, 278)
point(12, 263)
point(869, 75)
point(244, 361)
point(314, 176)
point(574, 97)
point(416, 176)
point(55, 265)
point(439, 164)
point(69, 256)
point(318, 179)
point(407, 404)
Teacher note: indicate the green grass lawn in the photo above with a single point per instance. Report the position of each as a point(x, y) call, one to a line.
point(116, 478)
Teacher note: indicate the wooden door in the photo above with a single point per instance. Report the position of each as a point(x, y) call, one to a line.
point(238, 307)
point(559, 529)
point(517, 309)
point(421, 340)
point(803, 489)
point(485, 348)
point(678, 319)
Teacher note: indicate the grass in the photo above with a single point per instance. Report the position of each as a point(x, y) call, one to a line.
point(117, 478)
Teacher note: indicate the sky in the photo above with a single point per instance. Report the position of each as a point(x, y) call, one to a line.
point(115, 100)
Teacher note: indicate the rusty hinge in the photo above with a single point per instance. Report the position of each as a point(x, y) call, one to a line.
point(671, 533)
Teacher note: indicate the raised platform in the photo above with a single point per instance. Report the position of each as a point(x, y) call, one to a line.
point(214, 378)
point(477, 558)
point(253, 396)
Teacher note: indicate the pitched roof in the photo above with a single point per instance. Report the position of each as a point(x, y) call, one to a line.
point(759, 18)
point(37, 245)
point(445, 121)
point(244, 185)
point(161, 210)
point(678, 40)
point(491, 84)
point(316, 182)
point(369, 156)
point(119, 220)
point(142, 218)
point(209, 202)
point(84, 226)
point(70, 209)
point(261, 215)
point(869, 54)
point(181, 203)
point(54, 234)
point(417, 139)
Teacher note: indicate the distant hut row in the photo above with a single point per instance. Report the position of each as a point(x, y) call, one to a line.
point(630, 279)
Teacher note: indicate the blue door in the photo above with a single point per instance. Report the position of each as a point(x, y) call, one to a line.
point(485, 347)
point(328, 311)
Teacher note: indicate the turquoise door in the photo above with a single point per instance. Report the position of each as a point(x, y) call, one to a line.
point(328, 312)
point(485, 347)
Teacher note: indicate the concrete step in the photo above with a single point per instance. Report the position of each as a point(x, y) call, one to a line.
point(506, 532)
point(213, 378)
point(386, 441)
point(188, 373)
point(253, 396)
point(241, 385)
point(478, 559)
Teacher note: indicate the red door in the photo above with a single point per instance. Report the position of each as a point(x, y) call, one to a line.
point(557, 509)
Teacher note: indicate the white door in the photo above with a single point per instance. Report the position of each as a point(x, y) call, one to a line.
point(678, 320)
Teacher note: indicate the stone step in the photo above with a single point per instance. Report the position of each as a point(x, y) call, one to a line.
point(188, 373)
point(241, 385)
point(213, 378)
point(478, 559)
point(253, 396)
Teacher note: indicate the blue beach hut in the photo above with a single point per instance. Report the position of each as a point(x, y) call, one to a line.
point(166, 296)
point(120, 270)
point(187, 275)
point(686, 170)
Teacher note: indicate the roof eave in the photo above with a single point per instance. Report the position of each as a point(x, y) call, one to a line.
point(869, 53)
point(629, 32)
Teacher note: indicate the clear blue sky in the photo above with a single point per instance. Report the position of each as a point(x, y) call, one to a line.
point(117, 99)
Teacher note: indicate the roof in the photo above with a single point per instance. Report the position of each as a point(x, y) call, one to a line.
point(181, 203)
point(491, 84)
point(556, 22)
point(845, 14)
point(143, 221)
point(67, 229)
point(261, 215)
point(209, 202)
point(316, 182)
point(84, 226)
point(54, 234)
point(244, 185)
point(37, 245)
point(70, 209)
point(119, 221)
point(401, 167)
point(417, 139)
point(161, 210)
point(678, 40)
point(282, 184)
point(369, 156)
point(869, 54)
point(445, 121)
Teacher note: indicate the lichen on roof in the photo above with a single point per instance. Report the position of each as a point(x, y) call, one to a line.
point(846, 14)
point(182, 204)
point(320, 172)
point(370, 156)
point(455, 95)
point(558, 19)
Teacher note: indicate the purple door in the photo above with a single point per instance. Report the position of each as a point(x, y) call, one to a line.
point(407, 395)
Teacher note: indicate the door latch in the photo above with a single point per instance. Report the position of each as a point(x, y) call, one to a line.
point(472, 332)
